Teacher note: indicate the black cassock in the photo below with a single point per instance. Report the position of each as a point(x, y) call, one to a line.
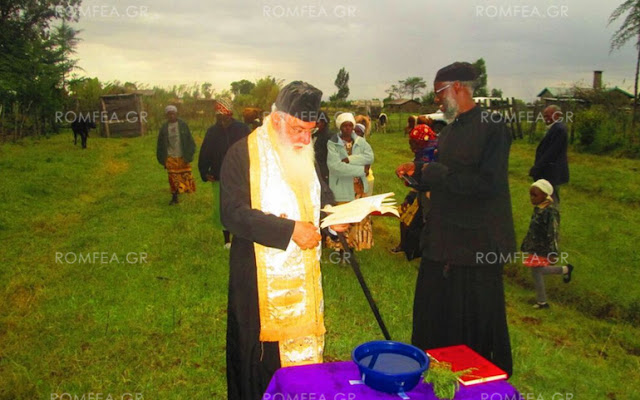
point(467, 238)
point(250, 363)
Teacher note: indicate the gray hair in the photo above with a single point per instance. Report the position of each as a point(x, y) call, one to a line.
point(554, 108)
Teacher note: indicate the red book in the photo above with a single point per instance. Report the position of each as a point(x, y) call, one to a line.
point(462, 357)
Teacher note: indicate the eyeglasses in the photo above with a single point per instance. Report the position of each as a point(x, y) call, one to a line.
point(442, 88)
point(298, 130)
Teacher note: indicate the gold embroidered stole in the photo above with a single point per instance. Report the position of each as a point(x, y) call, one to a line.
point(289, 282)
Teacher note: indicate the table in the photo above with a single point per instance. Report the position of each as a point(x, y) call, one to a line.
point(330, 381)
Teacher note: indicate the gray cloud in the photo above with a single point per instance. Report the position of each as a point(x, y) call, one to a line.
point(379, 42)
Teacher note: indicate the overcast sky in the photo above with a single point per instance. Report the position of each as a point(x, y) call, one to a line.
point(527, 45)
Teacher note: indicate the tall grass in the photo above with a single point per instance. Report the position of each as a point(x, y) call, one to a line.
point(157, 326)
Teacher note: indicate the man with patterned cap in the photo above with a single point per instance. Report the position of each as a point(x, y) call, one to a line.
point(459, 296)
point(271, 196)
point(216, 143)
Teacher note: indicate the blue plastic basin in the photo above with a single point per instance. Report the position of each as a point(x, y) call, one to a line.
point(390, 367)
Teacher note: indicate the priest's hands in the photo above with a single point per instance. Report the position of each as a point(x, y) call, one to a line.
point(406, 169)
point(306, 235)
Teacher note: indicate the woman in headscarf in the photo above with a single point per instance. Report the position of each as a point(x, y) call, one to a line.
point(175, 152)
point(349, 159)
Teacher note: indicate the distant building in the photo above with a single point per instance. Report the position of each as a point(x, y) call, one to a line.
point(368, 107)
point(402, 105)
point(367, 103)
point(551, 95)
point(123, 115)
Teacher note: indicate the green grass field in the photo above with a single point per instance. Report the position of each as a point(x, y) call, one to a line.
point(155, 327)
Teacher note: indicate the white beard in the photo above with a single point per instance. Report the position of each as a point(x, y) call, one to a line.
point(298, 163)
point(450, 109)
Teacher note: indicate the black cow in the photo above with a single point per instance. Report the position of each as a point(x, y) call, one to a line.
point(81, 127)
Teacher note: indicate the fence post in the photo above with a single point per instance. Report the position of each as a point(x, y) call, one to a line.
point(534, 123)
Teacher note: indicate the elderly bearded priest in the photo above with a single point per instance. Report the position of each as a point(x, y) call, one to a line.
point(271, 198)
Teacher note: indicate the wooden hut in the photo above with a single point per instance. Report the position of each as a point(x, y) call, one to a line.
point(123, 115)
point(403, 105)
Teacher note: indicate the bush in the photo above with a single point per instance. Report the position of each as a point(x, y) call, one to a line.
point(604, 130)
point(588, 125)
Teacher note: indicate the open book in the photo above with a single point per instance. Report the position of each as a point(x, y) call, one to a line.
point(462, 357)
point(356, 210)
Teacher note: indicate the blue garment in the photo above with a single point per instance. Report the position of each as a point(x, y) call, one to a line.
point(341, 174)
point(427, 154)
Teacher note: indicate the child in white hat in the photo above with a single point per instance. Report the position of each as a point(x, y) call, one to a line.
point(541, 241)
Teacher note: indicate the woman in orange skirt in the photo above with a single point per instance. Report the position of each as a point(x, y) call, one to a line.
point(175, 151)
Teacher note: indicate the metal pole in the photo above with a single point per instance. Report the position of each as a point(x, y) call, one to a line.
point(356, 269)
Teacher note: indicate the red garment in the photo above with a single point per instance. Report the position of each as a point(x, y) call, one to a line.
point(536, 261)
point(422, 132)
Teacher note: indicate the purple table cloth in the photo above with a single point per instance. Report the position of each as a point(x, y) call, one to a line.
point(330, 381)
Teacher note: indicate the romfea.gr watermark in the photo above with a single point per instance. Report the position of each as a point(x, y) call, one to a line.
point(96, 396)
point(308, 11)
point(100, 257)
point(100, 116)
point(518, 256)
point(336, 257)
point(521, 11)
point(103, 11)
point(309, 396)
point(527, 396)
point(523, 116)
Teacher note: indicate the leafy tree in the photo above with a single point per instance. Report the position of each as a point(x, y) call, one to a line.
point(262, 95)
point(496, 92)
point(85, 94)
point(207, 90)
point(130, 86)
point(242, 87)
point(342, 83)
point(481, 88)
point(630, 29)
point(395, 92)
point(35, 59)
point(413, 86)
point(429, 98)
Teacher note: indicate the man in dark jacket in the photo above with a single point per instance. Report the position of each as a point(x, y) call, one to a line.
point(551, 155)
point(320, 139)
point(175, 151)
point(217, 141)
point(459, 296)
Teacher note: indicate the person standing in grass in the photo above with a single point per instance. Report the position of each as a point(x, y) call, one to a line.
point(459, 295)
point(349, 159)
point(217, 141)
point(541, 240)
point(175, 151)
point(320, 138)
point(271, 194)
point(551, 154)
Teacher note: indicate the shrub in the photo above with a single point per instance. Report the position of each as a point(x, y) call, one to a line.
point(588, 123)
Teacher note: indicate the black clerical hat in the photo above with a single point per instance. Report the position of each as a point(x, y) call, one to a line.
point(458, 71)
point(300, 100)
